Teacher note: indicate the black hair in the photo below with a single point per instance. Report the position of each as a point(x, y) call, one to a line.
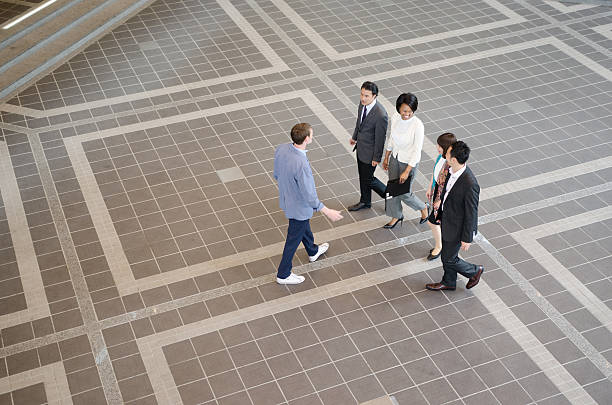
point(371, 87)
point(460, 151)
point(409, 99)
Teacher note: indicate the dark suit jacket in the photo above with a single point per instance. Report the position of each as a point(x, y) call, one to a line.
point(371, 134)
point(459, 218)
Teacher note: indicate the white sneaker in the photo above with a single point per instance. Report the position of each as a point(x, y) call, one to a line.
point(322, 249)
point(292, 279)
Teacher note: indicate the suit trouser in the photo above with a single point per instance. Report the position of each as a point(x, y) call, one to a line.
point(452, 264)
point(298, 231)
point(367, 182)
point(393, 207)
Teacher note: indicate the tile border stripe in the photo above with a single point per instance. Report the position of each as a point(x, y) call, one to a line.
point(278, 65)
point(331, 53)
point(29, 272)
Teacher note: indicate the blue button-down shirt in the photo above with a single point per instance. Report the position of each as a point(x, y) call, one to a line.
point(296, 187)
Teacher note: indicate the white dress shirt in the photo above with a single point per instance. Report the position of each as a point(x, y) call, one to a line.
point(368, 109)
point(451, 180)
point(406, 140)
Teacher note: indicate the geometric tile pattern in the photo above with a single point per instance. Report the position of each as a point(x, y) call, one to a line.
point(140, 229)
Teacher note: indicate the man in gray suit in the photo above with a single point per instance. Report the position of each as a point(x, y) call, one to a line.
point(369, 140)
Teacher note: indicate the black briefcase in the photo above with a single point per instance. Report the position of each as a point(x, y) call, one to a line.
point(395, 188)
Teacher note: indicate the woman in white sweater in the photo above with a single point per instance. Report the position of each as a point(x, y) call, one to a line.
point(403, 155)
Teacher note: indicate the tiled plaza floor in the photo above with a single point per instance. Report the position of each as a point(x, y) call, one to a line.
point(140, 228)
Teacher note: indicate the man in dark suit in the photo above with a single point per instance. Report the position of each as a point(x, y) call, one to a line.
point(369, 140)
point(458, 213)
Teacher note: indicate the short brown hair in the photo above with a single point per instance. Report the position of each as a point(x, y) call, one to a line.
point(445, 141)
point(299, 132)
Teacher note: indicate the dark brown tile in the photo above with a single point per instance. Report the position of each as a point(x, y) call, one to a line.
point(312, 356)
point(78, 363)
point(31, 395)
point(343, 303)
point(367, 339)
point(136, 387)
point(226, 383)
point(248, 297)
point(183, 288)
point(290, 319)
point(263, 327)
point(337, 395)
point(324, 377)
point(296, 386)
point(49, 354)
point(110, 308)
point(366, 389)
point(380, 359)
point(373, 262)
point(245, 354)
point(166, 320)
point(83, 380)
point(209, 281)
point(324, 276)
point(368, 296)
point(186, 372)
point(193, 313)
point(16, 334)
point(235, 335)
point(74, 346)
point(349, 269)
point(217, 362)
point(272, 291)
point(178, 352)
point(284, 365)
point(394, 379)
point(207, 343)
point(255, 374)
point(353, 367)
point(340, 348)
point(142, 327)
point(493, 373)
point(393, 331)
point(221, 305)
point(354, 321)
point(408, 350)
point(260, 268)
point(118, 334)
point(273, 345)
point(235, 274)
point(267, 394)
point(237, 398)
point(67, 320)
point(195, 393)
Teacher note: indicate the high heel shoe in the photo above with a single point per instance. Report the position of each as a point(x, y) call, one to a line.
point(389, 226)
point(431, 256)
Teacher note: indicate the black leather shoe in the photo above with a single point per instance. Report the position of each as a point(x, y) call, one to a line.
point(439, 287)
point(358, 206)
point(423, 220)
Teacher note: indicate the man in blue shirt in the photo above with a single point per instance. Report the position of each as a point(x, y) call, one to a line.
point(298, 199)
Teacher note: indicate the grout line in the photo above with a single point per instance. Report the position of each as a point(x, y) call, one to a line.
point(530, 345)
point(23, 247)
point(86, 308)
point(331, 53)
point(551, 312)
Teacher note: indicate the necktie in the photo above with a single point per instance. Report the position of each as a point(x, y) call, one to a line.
point(363, 116)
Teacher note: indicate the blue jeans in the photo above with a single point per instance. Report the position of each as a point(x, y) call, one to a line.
point(298, 231)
